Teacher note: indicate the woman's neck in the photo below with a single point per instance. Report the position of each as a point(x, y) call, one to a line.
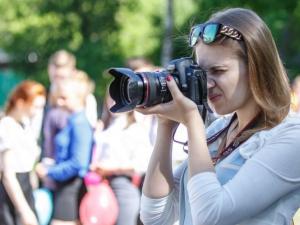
point(246, 114)
point(17, 115)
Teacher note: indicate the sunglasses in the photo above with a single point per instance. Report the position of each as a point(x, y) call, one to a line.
point(208, 32)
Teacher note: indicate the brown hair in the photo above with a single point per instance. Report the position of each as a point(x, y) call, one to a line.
point(27, 91)
point(62, 58)
point(267, 77)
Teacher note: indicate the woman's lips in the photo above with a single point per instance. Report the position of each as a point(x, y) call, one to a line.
point(214, 97)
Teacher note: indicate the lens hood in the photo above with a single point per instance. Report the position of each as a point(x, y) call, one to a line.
point(126, 89)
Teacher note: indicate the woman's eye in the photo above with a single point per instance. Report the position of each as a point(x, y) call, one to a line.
point(218, 71)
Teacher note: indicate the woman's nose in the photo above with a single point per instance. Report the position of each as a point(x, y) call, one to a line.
point(210, 82)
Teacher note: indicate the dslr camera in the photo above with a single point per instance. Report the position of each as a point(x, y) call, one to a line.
point(143, 89)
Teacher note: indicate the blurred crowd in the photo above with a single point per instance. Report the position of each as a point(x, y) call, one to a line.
point(52, 138)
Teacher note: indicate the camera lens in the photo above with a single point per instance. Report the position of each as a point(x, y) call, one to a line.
point(156, 90)
point(130, 89)
point(126, 89)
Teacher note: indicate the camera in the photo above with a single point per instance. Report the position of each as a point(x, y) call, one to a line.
point(130, 89)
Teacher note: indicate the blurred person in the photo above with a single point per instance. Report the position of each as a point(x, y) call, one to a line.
point(122, 151)
point(243, 168)
point(90, 101)
point(62, 66)
point(55, 120)
point(57, 115)
point(72, 147)
point(141, 64)
point(18, 154)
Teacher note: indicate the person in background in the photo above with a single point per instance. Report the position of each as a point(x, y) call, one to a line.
point(72, 146)
point(242, 169)
point(62, 66)
point(90, 101)
point(18, 154)
point(141, 64)
point(122, 151)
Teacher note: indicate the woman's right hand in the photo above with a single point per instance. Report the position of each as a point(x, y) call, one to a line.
point(28, 218)
point(180, 110)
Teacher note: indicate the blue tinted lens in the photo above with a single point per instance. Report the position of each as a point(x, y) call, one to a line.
point(195, 33)
point(210, 32)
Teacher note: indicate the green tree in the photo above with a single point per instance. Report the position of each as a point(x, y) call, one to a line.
point(33, 29)
point(104, 33)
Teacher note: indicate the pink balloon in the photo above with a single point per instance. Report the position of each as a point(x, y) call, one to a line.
point(99, 205)
point(92, 178)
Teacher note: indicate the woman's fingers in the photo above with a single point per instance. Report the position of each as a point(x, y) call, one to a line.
point(173, 88)
point(157, 109)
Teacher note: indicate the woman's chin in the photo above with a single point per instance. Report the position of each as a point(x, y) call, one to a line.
point(221, 110)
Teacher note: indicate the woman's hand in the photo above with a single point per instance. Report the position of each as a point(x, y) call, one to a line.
point(28, 217)
point(181, 109)
point(41, 170)
point(105, 169)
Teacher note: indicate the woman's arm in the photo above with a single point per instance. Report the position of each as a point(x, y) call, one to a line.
point(14, 191)
point(159, 178)
point(159, 203)
point(270, 175)
point(199, 157)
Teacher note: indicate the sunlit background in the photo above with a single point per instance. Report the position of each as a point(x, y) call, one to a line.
point(104, 33)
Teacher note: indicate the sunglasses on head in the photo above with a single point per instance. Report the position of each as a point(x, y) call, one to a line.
point(208, 32)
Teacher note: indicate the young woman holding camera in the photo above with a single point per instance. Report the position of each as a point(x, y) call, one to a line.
point(243, 169)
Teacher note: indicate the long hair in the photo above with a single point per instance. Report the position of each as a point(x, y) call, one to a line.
point(27, 91)
point(267, 77)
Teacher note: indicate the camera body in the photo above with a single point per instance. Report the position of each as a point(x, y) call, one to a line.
point(130, 89)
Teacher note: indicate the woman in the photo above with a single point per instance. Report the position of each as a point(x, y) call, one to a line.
point(244, 168)
point(73, 145)
point(18, 153)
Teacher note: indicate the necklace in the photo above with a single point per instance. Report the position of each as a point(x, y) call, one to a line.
point(236, 142)
point(230, 134)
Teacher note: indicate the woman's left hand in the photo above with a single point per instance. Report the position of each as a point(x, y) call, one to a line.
point(41, 170)
point(181, 109)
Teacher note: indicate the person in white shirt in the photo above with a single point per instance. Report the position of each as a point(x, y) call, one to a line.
point(243, 169)
point(18, 154)
point(121, 156)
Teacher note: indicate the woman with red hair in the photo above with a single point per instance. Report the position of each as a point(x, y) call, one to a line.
point(18, 153)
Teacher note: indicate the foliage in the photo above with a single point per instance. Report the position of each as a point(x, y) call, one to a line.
point(104, 33)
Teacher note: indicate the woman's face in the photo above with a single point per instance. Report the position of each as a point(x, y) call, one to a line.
point(227, 77)
point(71, 101)
point(34, 108)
